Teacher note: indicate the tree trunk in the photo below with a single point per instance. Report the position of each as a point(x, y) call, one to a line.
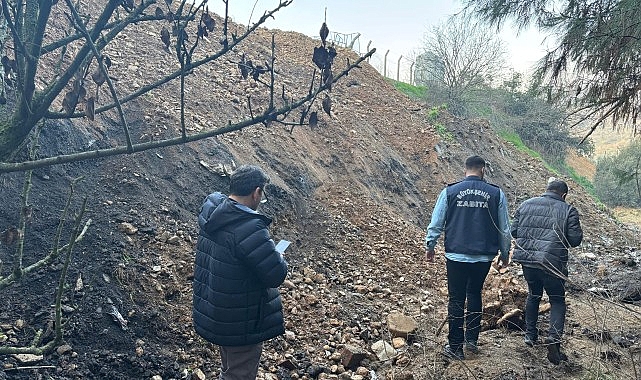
point(12, 134)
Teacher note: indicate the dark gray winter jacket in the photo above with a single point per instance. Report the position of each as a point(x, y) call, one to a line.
point(544, 228)
point(237, 272)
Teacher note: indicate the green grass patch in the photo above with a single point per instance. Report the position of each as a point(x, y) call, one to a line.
point(581, 180)
point(556, 168)
point(584, 183)
point(419, 92)
point(443, 132)
point(515, 139)
point(435, 111)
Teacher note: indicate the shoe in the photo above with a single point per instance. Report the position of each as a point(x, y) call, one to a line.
point(472, 347)
point(529, 341)
point(453, 354)
point(554, 352)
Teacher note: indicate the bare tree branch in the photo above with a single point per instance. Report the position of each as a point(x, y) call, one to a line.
point(21, 166)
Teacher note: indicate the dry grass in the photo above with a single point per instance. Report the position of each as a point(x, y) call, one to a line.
point(583, 166)
point(628, 215)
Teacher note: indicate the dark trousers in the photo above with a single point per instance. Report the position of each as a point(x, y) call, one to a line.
point(240, 363)
point(464, 281)
point(537, 281)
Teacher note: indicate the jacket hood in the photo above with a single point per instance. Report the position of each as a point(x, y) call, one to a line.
point(219, 211)
point(210, 204)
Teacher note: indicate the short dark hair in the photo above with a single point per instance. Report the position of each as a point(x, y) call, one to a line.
point(247, 178)
point(559, 187)
point(474, 162)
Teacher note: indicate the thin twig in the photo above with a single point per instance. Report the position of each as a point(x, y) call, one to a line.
point(65, 268)
point(192, 65)
point(6, 167)
point(80, 25)
point(25, 208)
point(271, 72)
point(9, 280)
point(31, 367)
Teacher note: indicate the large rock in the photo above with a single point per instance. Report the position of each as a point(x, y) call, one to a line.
point(400, 325)
point(383, 350)
point(352, 356)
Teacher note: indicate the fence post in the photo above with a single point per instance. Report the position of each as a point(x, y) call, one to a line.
point(398, 69)
point(412, 73)
point(351, 44)
point(385, 65)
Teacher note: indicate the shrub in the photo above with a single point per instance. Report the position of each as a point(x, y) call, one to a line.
point(617, 179)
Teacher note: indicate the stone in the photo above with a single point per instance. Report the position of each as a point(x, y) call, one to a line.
point(290, 335)
point(288, 284)
point(351, 356)
point(383, 350)
point(362, 371)
point(288, 364)
point(28, 358)
point(164, 236)
point(400, 325)
point(398, 342)
point(174, 240)
point(63, 349)
point(127, 228)
point(19, 324)
point(197, 374)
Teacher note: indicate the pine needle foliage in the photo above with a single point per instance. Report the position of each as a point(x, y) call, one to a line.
point(595, 68)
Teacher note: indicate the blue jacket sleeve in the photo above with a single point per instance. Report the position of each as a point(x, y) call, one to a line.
point(505, 239)
point(437, 224)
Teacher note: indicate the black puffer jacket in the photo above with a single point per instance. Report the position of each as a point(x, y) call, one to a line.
point(237, 272)
point(544, 228)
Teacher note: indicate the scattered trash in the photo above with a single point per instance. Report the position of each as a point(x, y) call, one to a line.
point(599, 291)
point(79, 284)
point(115, 314)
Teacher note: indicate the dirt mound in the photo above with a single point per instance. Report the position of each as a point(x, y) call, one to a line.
point(354, 195)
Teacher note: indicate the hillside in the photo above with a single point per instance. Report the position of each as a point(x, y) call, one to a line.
point(354, 194)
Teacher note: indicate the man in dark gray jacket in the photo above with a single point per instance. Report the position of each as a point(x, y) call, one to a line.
point(237, 272)
point(544, 227)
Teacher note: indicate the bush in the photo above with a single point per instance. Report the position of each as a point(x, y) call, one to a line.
point(540, 126)
point(617, 181)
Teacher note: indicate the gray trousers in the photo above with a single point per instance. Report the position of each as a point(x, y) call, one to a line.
point(537, 281)
point(241, 362)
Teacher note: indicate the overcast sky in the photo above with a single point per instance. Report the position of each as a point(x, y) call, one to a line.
point(395, 25)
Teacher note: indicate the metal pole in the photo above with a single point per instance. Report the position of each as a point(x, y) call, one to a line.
point(385, 65)
point(412, 73)
point(369, 43)
point(351, 44)
point(398, 68)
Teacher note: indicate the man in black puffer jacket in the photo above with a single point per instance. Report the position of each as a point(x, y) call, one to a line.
point(237, 272)
point(544, 227)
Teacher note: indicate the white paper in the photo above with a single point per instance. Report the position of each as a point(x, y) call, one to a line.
point(282, 246)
